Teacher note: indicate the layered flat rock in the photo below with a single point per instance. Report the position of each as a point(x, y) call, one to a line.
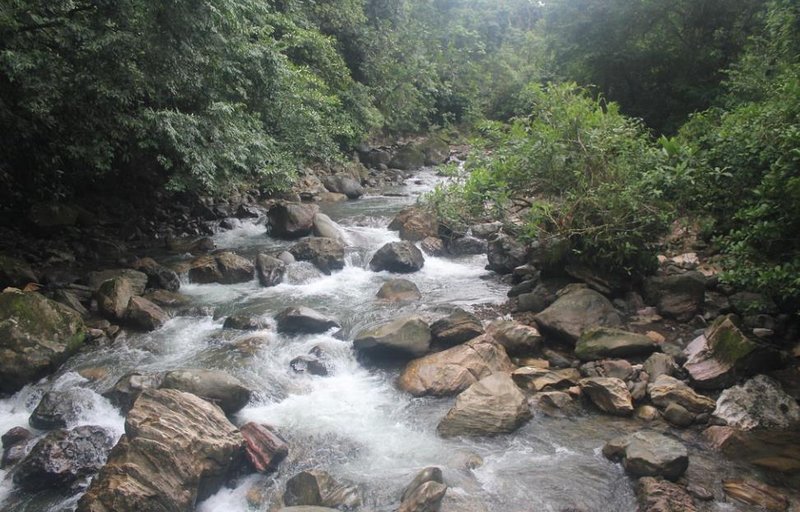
point(666, 390)
point(609, 394)
point(606, 342)
point(216, 386)
point(648, 453)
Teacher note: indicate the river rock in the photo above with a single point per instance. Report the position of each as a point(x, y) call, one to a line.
point(436, 151)
point(177, 449)
point(113, 297)
point(15, 436)
point(542, 379)
point(215, 386)
point(64, 456)
point(138, 280)
point(665, 390)
point(678, 416)
point(343, 184)
point(225, 268)
point(648, 453)
point(493, 405)
point(326, 254)
point(456, 328)
point(574, 313)
point(167, 299)
point(58, 408)
point(619, 368)
point(657, 495)
point(242, 322)
point(407, 336)
point(269, 270)
point(143, 314)
point(518, 339)
point(467, 245)
point(758, 494)
point(408, 158)
point(399, 290)
point(415, 224)
point(604, 342)
point(36, 336)
point(659, 364)
point(426, 497)
point(264, 448)
point(759, 403)
point(453, 370)
point(505, 254)
point(432, 246)
point(609, 394)
point(300, 319)
point(15, 273)
point(158, 276)
point(325, 227)
point(309, 364)
point(401, 257)
point(318, 488)
point(291, 220)
point(128, 388)
point(678, 296)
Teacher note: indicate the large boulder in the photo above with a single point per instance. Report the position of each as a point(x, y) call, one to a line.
point(63, 457)
point(453, 370)
point(759, 403)
point(225, 268)
point(143, 314)
point(215, 386)
point(326, 254)
point(263, 447)
point(518, 339)
point(657, 495)
point(113, 297)
point(575, 312)
point(649, 453)
point(137, 280)
point(407, 336)
point(456, 328)
point(505, 254)
point(343, 184)
point(467, 245)
point(36, 336)
point(291, 220)
point(426, 497)
point(128, 388)
point(315, 488)
point(269, 270)
point(666, 390)
point(494, 405)
point(401, 257)
point(56, 409)
point(305, 320)
point(436, 150)
point(678, 296)
point(158, 276)
point(395, 290)
point(177, 449)
point(415, 224)
point(757, 494)
point(15, 273)
point(609, 394)
point(408, 158)
point(325, 227)
point(605, 342)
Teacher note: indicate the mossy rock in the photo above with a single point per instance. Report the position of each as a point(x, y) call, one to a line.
point(408, 158)
point(436, 151)
point(727, 342)
point(36, 336)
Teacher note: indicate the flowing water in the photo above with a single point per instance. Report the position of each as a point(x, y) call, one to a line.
point(353, 423)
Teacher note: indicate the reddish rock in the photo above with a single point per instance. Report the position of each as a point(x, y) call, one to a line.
point(263, 447)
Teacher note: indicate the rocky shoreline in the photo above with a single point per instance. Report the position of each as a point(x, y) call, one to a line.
point(690, 363)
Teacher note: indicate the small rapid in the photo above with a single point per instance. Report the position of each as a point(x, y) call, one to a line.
point(353, 423)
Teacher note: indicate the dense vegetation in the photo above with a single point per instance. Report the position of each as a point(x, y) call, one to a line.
point(610, 118)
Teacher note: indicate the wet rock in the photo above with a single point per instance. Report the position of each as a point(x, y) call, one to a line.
point(153, 468)
point(242, 322)
point(326, 254)
point(317, 488)
point(264, 449)
point(451, 371)
point(759, 403)
point(300, 319)
point(656, 495)
point(215, 386)
point(58, 408)
point(541, 379)
point(553, 403)
point(408, 336)
point(494, 405)
point(64, 456)
point(604, 342)
point(143, 314)
point(158, 276)
point(518, 339)
point(15, 273)
point(678, 416)
point(608, 394)
point(399, 290)
point(505, 254)
point(427, 497)
point(309, 364)
point(660, 364)
point(575, 312)
point(128, 388)
point(433, 246)
point(430, 474)
point(16, 435)
point(167, 299)
point(666, 390)
point(224, 268)
point(678, 296)
point(467, 245)
point(756, 494)
point(286, 257)
point(137, 280)
point(291, 220)
point(15, 446)
point(458, 327)
point(325, 227)
point(193, 246)
point(415, 224)
point(648, 453)
point(113, 297)
point(342, 184)
point(269, 270)
point(36, 336)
